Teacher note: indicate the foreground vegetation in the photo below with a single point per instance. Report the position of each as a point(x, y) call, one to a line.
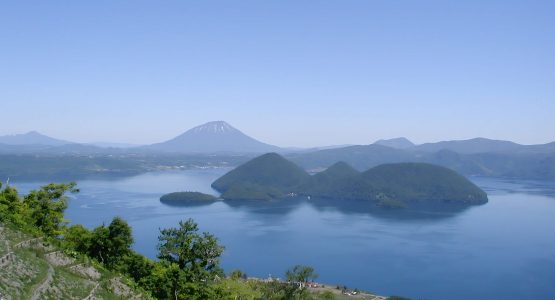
point(46, 259)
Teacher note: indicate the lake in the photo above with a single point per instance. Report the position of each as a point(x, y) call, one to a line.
point(504, 249)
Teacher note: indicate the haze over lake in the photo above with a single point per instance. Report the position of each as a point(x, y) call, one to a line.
point(504, 249)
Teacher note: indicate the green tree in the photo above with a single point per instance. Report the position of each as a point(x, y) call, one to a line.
point(99, 243)
point(110, 244)
point(78, 238)
point(120, 237)
point(46, 207)
point(137, 266)
point(196, 254)
point(196, 257)
point(301, 274)
point(11, 208)
point(165, 281)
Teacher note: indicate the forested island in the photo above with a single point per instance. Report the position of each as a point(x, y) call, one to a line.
point(182, 198)
point(271, 176)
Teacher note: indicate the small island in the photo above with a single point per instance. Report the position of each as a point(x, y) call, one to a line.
point(187, 198)
point(396, 185)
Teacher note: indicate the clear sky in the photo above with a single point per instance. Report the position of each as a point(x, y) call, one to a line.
point(290, 73)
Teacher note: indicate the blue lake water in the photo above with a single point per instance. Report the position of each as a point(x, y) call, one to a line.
point(504, 249)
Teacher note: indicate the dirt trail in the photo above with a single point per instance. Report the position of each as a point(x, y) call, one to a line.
point(44, 285)
point(91, 294)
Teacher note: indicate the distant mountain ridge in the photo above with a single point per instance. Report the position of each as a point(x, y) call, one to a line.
point(31, 138)
point(475, 145)
point(397, 143)
point(213, 137)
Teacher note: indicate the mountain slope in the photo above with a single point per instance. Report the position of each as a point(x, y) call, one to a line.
point(213, 137)
point(31, 138)
point(423, 182)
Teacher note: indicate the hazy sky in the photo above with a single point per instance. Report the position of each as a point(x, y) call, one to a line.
point(290, 73)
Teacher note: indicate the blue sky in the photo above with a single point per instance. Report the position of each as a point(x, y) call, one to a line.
point(291, 73)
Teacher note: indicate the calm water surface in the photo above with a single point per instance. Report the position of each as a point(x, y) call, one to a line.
point(502, 250)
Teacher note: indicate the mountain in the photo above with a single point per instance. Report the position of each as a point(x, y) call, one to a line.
point(361, 157)
point(476, 145)
point(31, 138)
point(213, 137)
point(397, 143)
point(271, 176)
point(264, 177)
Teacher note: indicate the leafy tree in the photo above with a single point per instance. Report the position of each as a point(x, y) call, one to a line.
point(301, 274)
point(110, 244)
point(196, 254)
point(99, 243)
point(78, 238)
point(10, 205)
point(196, 257)
point(47, 205)
point(137, 266)
point(120, 237)
point(165, 281)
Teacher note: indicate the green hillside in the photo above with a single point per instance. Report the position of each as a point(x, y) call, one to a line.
point(423, 182)
point(265, 177)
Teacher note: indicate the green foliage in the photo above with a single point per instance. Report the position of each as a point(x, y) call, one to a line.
point(137, 266)
point(196, 254)
point(232, 289)
point(46, 207)
point(275, 290)
point(78, 238)
point(110, 244)
point(11, 206)
point(237, 275)
point(301, 274)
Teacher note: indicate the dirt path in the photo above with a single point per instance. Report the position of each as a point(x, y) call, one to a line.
point(44, 285)
point(91, 294)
